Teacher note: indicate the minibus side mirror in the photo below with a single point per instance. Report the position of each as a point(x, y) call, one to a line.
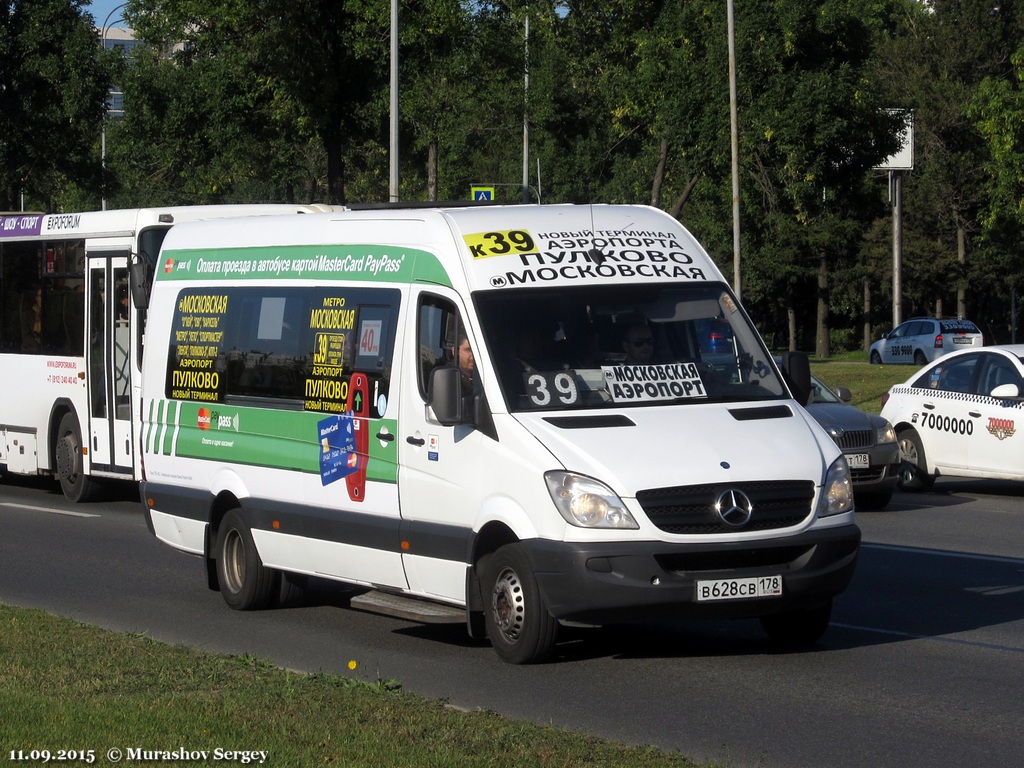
point(797, 367)
point(444, 395)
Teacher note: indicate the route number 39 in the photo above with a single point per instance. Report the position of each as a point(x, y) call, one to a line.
point(486, 244)
point(544, 388)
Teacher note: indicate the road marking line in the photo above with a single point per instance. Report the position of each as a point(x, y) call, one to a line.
point(51, 510)
point(944, 553)
point(939, 638)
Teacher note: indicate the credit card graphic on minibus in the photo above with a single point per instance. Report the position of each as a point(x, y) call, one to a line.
point(338, 457)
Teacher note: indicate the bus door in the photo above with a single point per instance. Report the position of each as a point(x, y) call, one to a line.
point(109, 362)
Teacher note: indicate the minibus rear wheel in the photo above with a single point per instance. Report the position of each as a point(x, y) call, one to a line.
point(245, 582)
point(519, 625)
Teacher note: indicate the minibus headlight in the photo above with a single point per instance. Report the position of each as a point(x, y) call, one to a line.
point(837, 493)
point(586, 503)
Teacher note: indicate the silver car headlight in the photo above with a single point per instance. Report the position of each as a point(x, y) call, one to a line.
point(837, 492)
point(587, 503)
point(885, 435)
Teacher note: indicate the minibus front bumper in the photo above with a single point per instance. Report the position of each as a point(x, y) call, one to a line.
point(615, 582)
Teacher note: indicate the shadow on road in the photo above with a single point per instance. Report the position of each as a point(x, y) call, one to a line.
point(897, 595)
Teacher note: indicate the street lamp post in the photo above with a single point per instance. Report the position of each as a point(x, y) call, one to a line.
point(393, 159)
point(735, 144)
point(106, 108)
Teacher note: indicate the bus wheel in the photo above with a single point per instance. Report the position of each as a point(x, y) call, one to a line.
point(76, 485)
point(245, 582)
point(518, 623)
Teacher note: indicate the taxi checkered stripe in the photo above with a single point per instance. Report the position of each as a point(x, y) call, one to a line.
point(948, 395)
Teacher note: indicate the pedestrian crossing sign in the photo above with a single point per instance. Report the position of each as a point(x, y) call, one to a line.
point(482, 194)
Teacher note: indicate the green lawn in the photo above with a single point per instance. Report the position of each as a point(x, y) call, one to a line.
point(867, 382)
point(66, 686)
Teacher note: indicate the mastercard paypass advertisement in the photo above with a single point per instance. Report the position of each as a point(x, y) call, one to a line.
point(338, 456)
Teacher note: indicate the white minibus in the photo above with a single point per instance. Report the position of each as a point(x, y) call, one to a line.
point(515, 416)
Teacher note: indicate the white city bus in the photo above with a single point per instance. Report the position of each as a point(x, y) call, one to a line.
point(71, 339)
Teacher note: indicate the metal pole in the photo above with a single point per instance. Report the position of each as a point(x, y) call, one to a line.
point(106, 106)
point(526, 110)
point(394, 102)
point(734, 126)
point(896, 187)
point(103, 158)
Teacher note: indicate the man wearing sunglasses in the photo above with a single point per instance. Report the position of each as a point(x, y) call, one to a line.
point(639, 344)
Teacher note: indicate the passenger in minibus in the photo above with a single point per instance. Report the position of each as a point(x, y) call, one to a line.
point(466, 362)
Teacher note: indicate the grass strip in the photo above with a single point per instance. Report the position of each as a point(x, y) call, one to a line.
point(866, 382)
point(65, 685)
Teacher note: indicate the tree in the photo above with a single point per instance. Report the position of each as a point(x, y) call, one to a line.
point(811, 129)
point(998, 111)
point(937, 61)
point(317, 62)
point(53, 91)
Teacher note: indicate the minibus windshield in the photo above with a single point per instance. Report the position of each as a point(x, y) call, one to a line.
point(624, 345)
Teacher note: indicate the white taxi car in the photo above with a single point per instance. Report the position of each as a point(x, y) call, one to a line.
point(922, 340)
point(958, 416)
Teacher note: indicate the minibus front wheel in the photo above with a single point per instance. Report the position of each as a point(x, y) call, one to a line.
point(519, 625)
point(245, 582)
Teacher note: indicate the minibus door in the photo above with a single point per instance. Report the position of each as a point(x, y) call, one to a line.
point(439, 479)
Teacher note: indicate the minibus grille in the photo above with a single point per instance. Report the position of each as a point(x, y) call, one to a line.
point(690, 509)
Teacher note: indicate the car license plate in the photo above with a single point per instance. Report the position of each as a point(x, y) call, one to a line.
point(858, 460)
point(739, 589)
point(962, 340)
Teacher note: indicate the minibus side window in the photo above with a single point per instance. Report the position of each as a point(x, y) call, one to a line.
point(439, 331)
point(298, 347)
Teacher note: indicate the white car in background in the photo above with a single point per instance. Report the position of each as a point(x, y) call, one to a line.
point(922, 340)
point(958, 416)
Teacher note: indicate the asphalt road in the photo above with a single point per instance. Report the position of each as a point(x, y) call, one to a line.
point(922, 666)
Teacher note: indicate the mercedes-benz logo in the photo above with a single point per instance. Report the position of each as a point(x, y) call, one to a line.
point(734, 507)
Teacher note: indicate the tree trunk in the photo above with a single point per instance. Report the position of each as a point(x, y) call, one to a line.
point(867, 314)
point(791, 318)
point(677, 206)
point(961, 284)
point(659, 174)
point(335, 165)
point(821, 344)
point(432, 171)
